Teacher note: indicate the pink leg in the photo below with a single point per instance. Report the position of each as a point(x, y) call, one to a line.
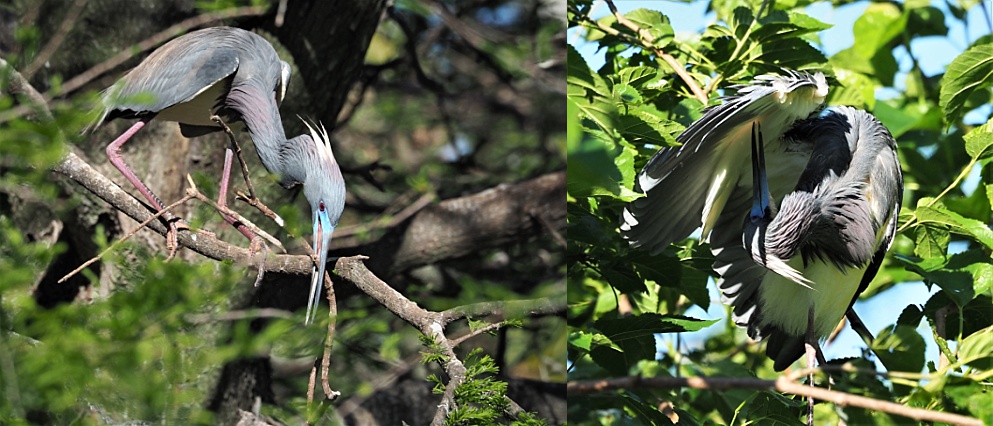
point(222, 198)
point(114, 154)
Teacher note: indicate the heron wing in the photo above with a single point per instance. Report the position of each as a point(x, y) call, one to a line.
point(884, 190)
point(680, 182)
point(740, 277)
point(175, 73)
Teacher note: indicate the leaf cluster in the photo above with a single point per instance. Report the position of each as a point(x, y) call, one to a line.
point(627, 306)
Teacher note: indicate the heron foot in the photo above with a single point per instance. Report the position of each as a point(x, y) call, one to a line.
point(258, 245)
point(172, 236)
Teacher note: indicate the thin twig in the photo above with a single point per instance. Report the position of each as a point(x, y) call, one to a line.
point(782, 384)
point(238, 315)
point(489, 327)
point(326, 359)
point(72, 15)
point(643, 34)
point(251, 199)
point(390, 220)
point(195, 193)
point(125, 238)
point(237, 151)
point(507, 309)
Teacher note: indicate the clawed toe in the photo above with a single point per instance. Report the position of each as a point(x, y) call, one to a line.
point(256, 246)
point(172, 236)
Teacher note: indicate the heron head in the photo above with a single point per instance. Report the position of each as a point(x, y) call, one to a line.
point(799, 93)
point(325, 191)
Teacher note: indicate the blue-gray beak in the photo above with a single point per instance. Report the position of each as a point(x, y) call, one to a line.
point(322, 237)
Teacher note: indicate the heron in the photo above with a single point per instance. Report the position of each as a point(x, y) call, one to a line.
point(236, 75)
point(799, 219)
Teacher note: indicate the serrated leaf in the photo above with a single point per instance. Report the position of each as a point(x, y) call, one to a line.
point(931, 240)
point(655, 23)
point(971, 70)
point(961, 276)
point(979, 141)
point(900, 348)
point(636, 76)
point(581, 340)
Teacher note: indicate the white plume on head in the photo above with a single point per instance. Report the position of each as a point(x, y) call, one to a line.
point(321, 140)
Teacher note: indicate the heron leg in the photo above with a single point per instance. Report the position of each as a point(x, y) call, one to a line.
point(252, 199)
point(114, 154)
point(859, 326)
point(257, 244)
point(813, 351)
point(222, 198)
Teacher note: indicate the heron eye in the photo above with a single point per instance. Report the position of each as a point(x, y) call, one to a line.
point(320, 206)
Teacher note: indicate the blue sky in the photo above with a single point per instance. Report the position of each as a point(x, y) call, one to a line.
point(933, 53)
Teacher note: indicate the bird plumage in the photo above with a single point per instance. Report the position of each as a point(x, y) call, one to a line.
point(711, 166)
point(238, 76)
point(814, 233)
point(834, 228)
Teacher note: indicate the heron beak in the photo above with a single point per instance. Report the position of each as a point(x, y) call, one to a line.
point(760, 185)
point(322, 236)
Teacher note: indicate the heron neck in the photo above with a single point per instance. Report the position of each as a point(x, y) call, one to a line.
point(260, 113)
point(797, 215)
point(294, 155)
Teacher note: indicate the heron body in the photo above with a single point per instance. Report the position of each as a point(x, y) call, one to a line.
point(798, 235)
point(834, 228)
point(237, 75)
point(712, 164)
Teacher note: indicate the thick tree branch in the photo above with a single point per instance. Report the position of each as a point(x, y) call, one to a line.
point(509, 309)
point(431, 324)
point(461, 226)
point(782, 384)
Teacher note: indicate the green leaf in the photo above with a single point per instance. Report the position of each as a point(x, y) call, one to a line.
point(592, 170)
point(962, 276)
point(977, 349)
point(900, 348)
point(580, 340)
point(926, 21)
point(636, 76)
point(931, 240)
point(979, 141)
point(655, 23)
point(971, 70)
point(971, 397)
point(856, 89)
point(874, 30)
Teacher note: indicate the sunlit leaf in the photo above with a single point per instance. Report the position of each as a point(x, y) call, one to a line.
point(970, 71)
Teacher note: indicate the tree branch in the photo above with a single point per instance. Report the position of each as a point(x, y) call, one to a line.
point(461, 226)
point(782, 384)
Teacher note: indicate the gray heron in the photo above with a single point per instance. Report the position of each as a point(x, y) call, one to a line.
point(798, 220)
point(237, 75)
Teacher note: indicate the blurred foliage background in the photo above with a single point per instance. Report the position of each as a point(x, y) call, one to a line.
point(450, 99)
point(626, 307)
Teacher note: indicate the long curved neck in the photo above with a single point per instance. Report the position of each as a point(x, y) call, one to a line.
point(260, 113)
point(293, 156)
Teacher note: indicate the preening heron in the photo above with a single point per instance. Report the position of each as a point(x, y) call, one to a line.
point(238, 76)
point(799, 220)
